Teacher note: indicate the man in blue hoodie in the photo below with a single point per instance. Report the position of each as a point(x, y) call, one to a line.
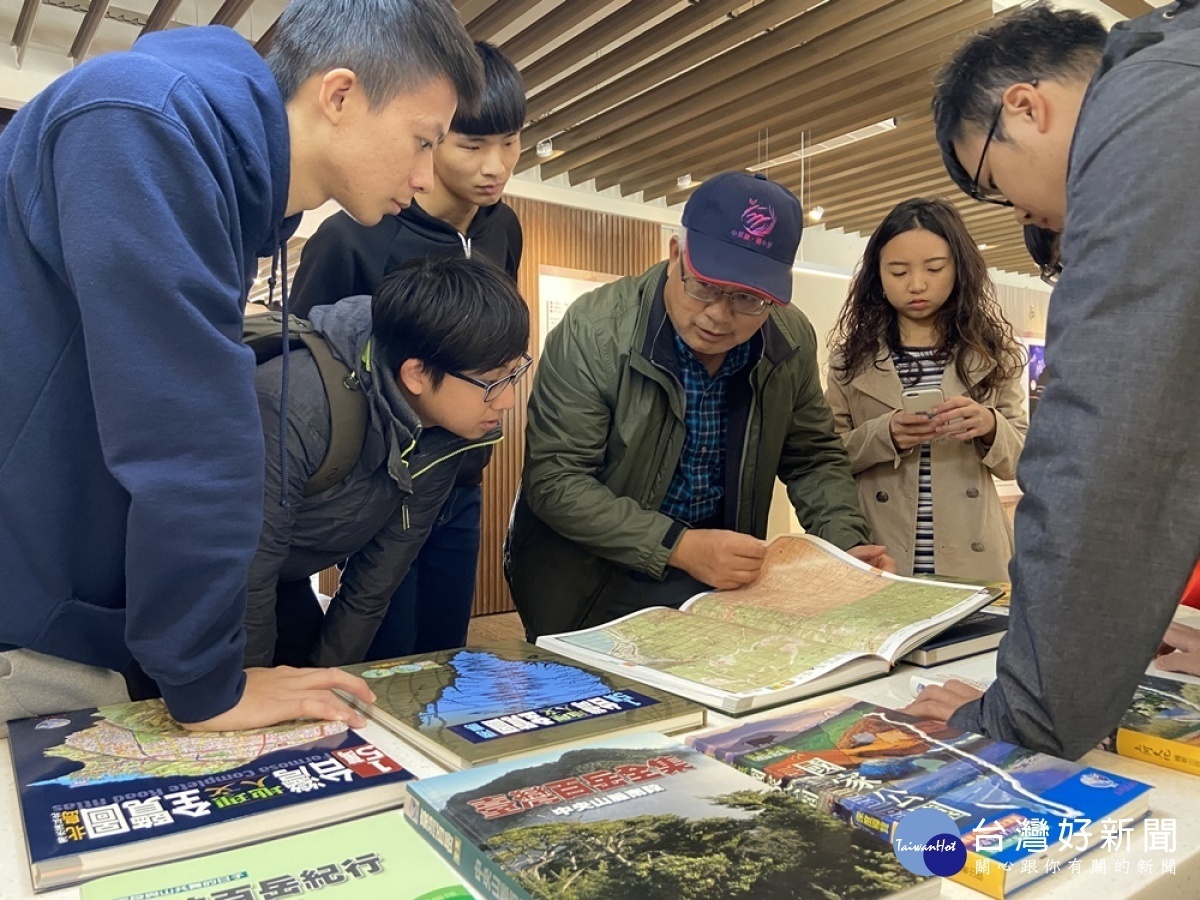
point(139, 191)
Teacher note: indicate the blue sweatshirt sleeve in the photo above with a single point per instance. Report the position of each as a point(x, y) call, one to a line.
point(147, 246)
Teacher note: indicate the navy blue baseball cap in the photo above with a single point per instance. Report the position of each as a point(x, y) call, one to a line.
point(743, 231)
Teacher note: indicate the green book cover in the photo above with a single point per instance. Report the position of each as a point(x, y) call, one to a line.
point(478, 705)
point(374, 857)
point(643, 817)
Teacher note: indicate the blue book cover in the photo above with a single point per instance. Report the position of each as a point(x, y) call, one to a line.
point(645, 816)
point(103, 790)
point(479, 705)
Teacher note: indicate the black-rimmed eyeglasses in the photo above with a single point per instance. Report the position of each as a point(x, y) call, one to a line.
point(706, 292)
point(976, 192)
point(493, 389)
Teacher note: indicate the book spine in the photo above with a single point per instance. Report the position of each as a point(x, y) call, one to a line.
point(1158, 751)
point(982, 874)
point(484, 875)
point(872, 824)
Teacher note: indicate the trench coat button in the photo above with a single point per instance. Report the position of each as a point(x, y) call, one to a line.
point(881, 496)
point(977, 546)
point(972, 493)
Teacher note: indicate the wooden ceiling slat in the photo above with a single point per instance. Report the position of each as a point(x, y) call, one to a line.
point(1131, 8)
point(231, 12)
point(895, 57)
point(826, 122)
point(499, 16)
point(822, 122)
point(551, 26)
point(696, 55)
point(25, 23)
point(87, 29)
point(473, 9)
point(737, 104)
point(609, 30)
point(160, 16)
point(263, 44)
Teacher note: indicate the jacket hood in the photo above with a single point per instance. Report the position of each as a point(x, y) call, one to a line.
point(243, 94)
point(346, 327)
point(441, 232)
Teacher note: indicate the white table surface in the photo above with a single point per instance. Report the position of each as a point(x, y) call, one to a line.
point(1176, 796)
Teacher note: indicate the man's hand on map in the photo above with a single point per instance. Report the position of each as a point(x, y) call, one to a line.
point(1180, 650)
point(278, 695)
point(722, 559)
point(874, 555)
point(942, 701)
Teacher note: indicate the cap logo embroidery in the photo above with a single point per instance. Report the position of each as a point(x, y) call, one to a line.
point(758, 220)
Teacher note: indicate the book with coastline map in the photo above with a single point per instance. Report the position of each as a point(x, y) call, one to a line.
point(110, 789)
point(379, 856)
point(814, 620)
point(642, 816)
point(478, 705)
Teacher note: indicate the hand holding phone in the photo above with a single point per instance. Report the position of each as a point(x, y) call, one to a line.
point(921, 400)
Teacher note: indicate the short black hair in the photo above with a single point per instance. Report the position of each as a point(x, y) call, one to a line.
point(1037, 42)
point(1042, 244)
point(502, 106)
point(393, 46)
point(452, 313)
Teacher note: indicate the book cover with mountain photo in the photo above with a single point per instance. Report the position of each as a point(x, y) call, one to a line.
point(643, 817)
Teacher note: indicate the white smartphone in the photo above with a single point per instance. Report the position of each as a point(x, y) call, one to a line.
point(921, 400)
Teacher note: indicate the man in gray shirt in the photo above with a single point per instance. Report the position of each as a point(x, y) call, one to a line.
point(1094, 136)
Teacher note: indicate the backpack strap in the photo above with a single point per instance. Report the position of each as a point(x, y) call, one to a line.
point(347, 416)
point(347, 404)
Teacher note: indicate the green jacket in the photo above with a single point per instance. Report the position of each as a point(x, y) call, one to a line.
point(604, 434)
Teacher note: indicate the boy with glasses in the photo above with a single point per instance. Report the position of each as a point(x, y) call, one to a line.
point(436, 351)
point(664, 407)
point(462, 214)
point(1093, 136)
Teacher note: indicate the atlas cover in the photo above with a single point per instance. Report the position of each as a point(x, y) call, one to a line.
point(107, 789)
point(481, 704)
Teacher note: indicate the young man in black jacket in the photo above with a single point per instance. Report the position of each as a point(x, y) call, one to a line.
point(462, 215)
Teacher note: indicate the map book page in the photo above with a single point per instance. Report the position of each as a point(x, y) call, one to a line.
point(733, 658)
point(809, 588)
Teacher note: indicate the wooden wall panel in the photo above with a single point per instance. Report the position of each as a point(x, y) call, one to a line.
point(569, 238)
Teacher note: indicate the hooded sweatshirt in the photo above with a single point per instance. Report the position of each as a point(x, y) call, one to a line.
point(139, 191)
point(343, 258)
point(378, 516)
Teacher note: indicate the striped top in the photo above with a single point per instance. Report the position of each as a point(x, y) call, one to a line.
point(919, 368)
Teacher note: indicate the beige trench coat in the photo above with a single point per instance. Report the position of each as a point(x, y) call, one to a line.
point(972, 536)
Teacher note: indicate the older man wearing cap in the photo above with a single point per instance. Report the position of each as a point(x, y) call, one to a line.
point(664, 407)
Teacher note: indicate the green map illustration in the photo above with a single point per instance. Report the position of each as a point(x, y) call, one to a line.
point(807, 606)
point(141, 740)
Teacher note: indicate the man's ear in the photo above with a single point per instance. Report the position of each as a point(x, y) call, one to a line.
point(674, 251)
point(1028, 104)
point(339, 91)
point(413, 377)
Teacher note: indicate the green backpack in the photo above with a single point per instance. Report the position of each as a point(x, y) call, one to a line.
point(347, 405)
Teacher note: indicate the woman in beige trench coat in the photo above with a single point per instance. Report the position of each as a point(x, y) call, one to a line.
point(922, 313)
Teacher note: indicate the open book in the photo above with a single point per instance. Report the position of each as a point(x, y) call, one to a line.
point(815, 619)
